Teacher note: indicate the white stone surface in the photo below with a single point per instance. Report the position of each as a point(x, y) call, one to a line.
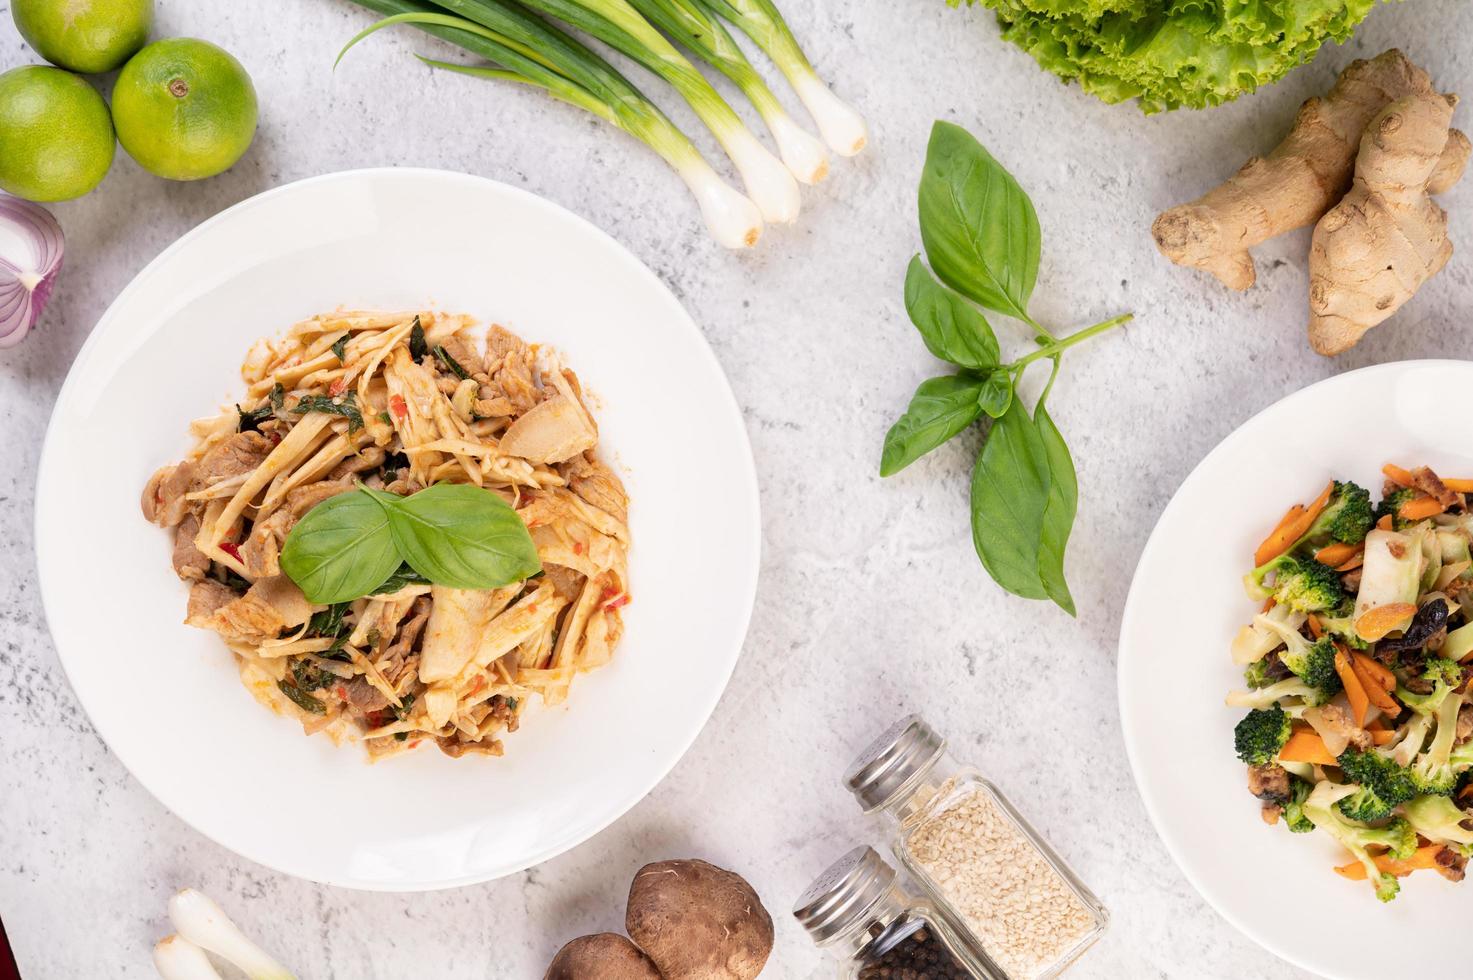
point(872, 602)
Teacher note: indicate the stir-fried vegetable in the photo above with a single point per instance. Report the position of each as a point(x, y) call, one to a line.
point(1359, 720)
point(526, 49)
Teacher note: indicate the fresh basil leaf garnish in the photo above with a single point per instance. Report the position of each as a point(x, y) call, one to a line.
point(1010, 493)
point(340, 348)
point(451, 363)
point(1058, 514)
point(418, 347)
point(952, 328)
point(340, 549)
point(461, 536)
point(347, 407)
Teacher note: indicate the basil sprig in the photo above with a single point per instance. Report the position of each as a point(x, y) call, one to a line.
point(359, 543)
point(982, 238)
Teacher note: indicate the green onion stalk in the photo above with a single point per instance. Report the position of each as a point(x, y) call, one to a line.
point(842, 127)
point(691, 24)
point(523, 48)
point(620, 26)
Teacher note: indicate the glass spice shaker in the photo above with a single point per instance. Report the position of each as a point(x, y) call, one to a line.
point(859, 913)
point(994, 878)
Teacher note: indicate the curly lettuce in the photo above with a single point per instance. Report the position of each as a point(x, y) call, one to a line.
point(1169, 54)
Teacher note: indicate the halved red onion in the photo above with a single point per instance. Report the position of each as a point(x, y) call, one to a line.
point(31, 248)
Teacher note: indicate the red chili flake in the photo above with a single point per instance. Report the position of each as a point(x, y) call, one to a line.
point(376, 719)
point(341, 692)
point(336, 388)
point(577, 547)
point(480, 682)
point(398, 407)
point(617, 603)
point(232, 550)
point(415, 744)
point(275, 438)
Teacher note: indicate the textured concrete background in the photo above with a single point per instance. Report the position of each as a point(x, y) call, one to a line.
point(872, 602)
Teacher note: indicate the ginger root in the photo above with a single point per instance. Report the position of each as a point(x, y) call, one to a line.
point(1302, 178)
point(1375, 248)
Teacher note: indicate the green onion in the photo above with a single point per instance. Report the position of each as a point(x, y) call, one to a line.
point(525, 49)
point(842, 128)
point(620, 26)
point(698, 30)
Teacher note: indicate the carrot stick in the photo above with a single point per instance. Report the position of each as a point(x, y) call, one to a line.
point(1356, 562)
point(1384, 523)
point(1285, 535)
point(1375, 691)
point(1425, 858)
point(1355, 692)
point(1374, 671)
point(1382, 736)
point(1459, 486)
point(1306, 745)
point(1337, 554)
point(1397, 475)
point(1315, 629)
point(1374, 624)
point(1419, 508)
point(1266, 547)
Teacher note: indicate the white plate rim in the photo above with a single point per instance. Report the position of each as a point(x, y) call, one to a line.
point(749, 563)
point(1174, 847)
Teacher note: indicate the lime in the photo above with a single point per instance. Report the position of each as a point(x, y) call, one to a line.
point(89, 36)
point(184, 109)
point(56, 138)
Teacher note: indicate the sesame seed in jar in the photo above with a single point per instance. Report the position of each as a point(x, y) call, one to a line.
point(1004, 889)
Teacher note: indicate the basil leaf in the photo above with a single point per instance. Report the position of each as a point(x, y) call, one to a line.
point(402, 577)
point(251, 421)
point(301, 698)
point(1010, 490)
point(451, 363)
point(978, 226)
point(340, 348)
point(951, 327)
point(347, 408)
point(996, 394)
point(340, 550)
point(1058, 515)
point(940, 408)
point(418, 347)
point(462, 536)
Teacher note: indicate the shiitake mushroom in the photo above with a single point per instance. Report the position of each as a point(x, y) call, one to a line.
point(696, 921)
point(604, 956)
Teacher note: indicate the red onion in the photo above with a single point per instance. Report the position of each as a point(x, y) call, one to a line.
point(31, 248)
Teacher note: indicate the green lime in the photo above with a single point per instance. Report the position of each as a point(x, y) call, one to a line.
point(89, 36)
point(56, 138)
point(184, 109)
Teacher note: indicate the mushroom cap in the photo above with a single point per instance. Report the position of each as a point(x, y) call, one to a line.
point(696, 921)
point(604, 956)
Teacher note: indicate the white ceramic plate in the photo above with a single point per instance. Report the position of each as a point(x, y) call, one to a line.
point(1185, 605)
point(166, 697)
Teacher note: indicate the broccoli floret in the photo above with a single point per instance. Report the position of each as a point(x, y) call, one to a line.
point(1315, 664)
point(1433, 769)
point(1383, 785)
point(1398, 836)
point(1346, 518)
point(1302, 584)
point(1267, 697)
point(1438, 819)
point(1256, 674)
point(1260, 735)
point(1342, 628)
point(1443, 675)
point(1294, 817)
point(1391, 504)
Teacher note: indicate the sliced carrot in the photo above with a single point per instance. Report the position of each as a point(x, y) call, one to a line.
point(1384, 523)
point(1266, 548)
point(1355, 562)
point(1375, 691)
point(1374, 624)
point(1459, 486)
point(1382, 736)
point(1419, 508)
point(1337, 554)
point(1374, 671)
point(1268, 604)
point(1315, 629)
point(1423, 859)
point(1285, 535)
point(1397, 475)
point(1306, 745)
point(1355, 692)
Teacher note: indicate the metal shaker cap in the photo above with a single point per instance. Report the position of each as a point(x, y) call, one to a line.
point(842, 895)
point(906, 749)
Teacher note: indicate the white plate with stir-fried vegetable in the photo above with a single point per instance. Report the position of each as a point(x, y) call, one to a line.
point(1294, 682)
point(401, 529)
